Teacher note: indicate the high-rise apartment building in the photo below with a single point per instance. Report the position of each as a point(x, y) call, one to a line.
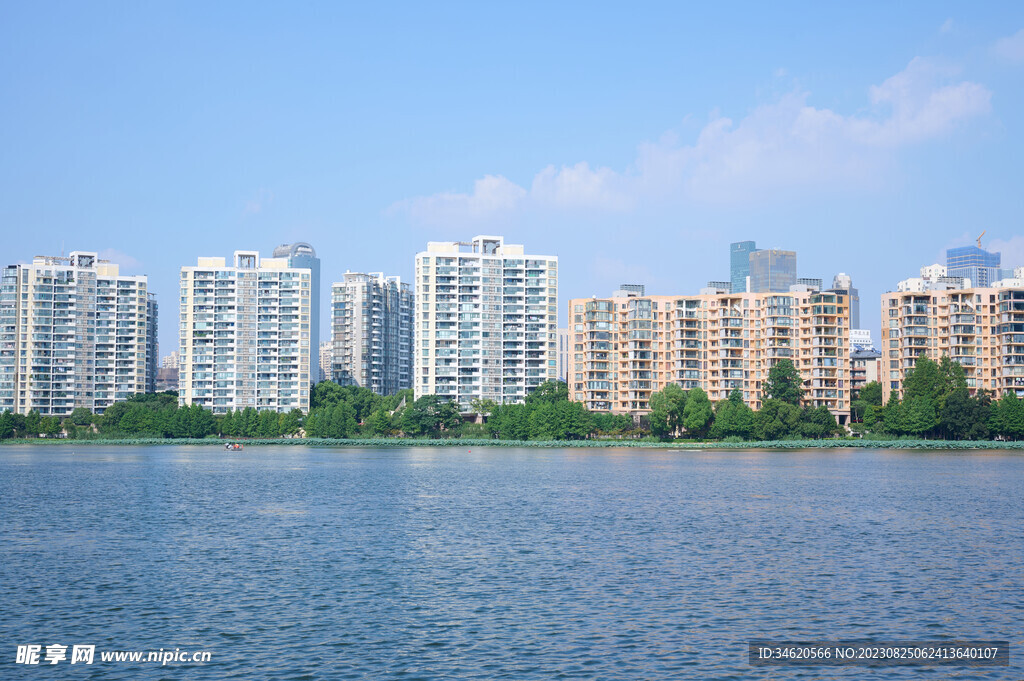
point(372, 332)
point(326, 360)
point(739, 264)
point(562, 366)
point(982, 328)
point(486, 321)
point(302, 255)
point(245, 338)
point(974, 263)
point(152, 344)
point(625, 348)
point(73, 333)
point(772, 270)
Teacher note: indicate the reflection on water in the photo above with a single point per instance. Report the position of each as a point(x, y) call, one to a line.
point(501, 563)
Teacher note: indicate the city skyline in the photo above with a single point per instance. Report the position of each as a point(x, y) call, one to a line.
point(229, 129)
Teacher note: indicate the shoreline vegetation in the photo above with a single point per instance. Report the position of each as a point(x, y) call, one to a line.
point(451, 443)
point(937, 411)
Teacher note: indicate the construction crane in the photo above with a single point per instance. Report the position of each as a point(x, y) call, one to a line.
point(981, 235)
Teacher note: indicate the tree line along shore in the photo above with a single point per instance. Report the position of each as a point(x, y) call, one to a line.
point(936, 407)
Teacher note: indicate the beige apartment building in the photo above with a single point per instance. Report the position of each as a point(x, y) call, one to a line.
point(73, 333)
point(245, 337)
point(981, 328)
point(628, 346)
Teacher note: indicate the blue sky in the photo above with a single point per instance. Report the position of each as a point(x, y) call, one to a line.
point(635, 141)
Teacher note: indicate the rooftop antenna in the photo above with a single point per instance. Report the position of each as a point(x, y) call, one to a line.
point(981, 235)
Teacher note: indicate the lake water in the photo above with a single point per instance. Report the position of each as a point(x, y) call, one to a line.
point(307, 563)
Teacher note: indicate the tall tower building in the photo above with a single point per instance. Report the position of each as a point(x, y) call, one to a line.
point(842, 283)
point(772, 270)
point(302, 255)
point(739, 264)
point(486, 321)
point(974, 263)
point(73, 333)
point(371, 332)
point(245, 338)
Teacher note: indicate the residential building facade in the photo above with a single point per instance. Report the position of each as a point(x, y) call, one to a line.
point(326, 360)
point(245, 337)
point(982, 328)
point(372, 332)
point(626, 348)
point(73, 333)
point(486, 321)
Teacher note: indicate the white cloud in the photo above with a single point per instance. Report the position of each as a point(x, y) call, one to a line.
point(258, 202)
point(784, 146)
point(123, 259)
point(1011, 48)
point(947, 26)
point(1012, 250)
point(491, 195)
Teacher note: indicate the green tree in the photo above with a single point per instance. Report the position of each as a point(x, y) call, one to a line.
point(918, 416)
point(697, 414)
point(342, 421)
point(776, 420)
point(1007, 416)
point(80, 416)
point(818, 422)
point(379, 422)
point(667, 411)
point(784, 383)
point(268, 424)
point(548, 392)
point(49, 426)
point(869, 396)
point(733, 418)
point(32, 423)
point(291, 422)
point(7, 429)
point(429, 415)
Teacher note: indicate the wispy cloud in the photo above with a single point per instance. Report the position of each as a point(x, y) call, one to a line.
point(1011, 48)
point(786, 145)
point(260, 200)
point(1012, 250)
point(123, 259)
point(947, 26)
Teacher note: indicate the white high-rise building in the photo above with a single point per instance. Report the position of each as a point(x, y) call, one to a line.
point(371, 328)
point(73, 333)
point(486, 321)
point(326, 355)
point(245, 334)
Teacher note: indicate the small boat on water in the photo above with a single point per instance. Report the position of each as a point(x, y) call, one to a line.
point(233, 446)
